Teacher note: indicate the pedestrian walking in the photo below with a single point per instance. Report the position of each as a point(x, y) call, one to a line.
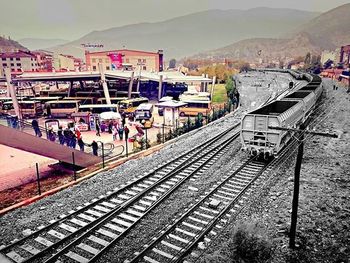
point(94, 146)
point(73, 141)
point(98, 127)
point(36, 128)
point(114, 132)
point(126, 131)
point(81, 143)
point(120, 132)
point(110, 127)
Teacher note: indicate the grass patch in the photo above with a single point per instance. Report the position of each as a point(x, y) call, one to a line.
point(219, 94)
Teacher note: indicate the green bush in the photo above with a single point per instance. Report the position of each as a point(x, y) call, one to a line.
point(249, 243)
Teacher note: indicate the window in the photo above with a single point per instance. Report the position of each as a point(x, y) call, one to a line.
point(18, 59)
point(107, 68)
point(3, 59)
point(12, 65)
point(100, 60)
point(94, 68)
point(144, 60)
point(144, 68)
point(127, 60)
point(4, 64)
point(11, 59)
point(93, 60)
point(139, 60)
point(107, 60)
point(18, 64)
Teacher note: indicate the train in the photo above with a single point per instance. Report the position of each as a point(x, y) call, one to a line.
point(288, 112)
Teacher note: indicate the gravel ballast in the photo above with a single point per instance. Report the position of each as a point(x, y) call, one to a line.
point(14, 223)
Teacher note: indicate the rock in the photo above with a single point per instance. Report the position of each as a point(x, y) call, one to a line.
point(27, 232)
point(319, 229)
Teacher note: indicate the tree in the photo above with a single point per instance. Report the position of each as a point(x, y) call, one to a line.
point(172, 63)
point(244, 67)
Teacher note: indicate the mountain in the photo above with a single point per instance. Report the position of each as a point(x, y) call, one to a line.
point(329, 30)
point(9, 45)
point(264, 48)
point(40, 43)
point(190, 34)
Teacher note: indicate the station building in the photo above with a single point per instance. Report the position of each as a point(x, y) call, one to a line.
point(125, 59)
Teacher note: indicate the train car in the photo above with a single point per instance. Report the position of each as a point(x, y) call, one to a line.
point(258, 139)
point(288, 112)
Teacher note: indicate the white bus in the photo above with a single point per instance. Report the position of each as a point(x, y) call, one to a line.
point(98, 108)
point(61, 108)
point(144, 112)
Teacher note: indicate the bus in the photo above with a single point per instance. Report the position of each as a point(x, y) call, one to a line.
point(113, 100)
point(83, 100)
point(27, 108)
point(144, 112)
point(194, 107)
point(61, 108)
point(98, 108)
point(129, 106)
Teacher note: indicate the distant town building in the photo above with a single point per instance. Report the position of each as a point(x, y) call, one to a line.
point(18, 62)
point(125, 59)
point(332, 55)
point(345, 56)
point(45, 60)
point(64, 62)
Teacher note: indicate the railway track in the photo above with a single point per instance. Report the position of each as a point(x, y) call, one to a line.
point(207, 216)
point(108, 218)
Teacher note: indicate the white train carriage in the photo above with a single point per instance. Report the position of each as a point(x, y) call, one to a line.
point(258, 139)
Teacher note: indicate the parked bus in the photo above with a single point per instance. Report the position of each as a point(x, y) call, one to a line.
point(27, 108)
point(83, 100)
point(144, 112)
point(98, 108)
point(129, 106)
point(61, 108)
point(113, 100)
point(194, 107)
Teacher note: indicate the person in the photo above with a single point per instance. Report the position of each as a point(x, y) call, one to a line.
point(60, 135)
point(123, 120)
point(73, 140)
point(126, 130)
point(94, 147)
point(36, 128)
point(110, 126)
point(77, 133)
point(66, 136)
point(81, 143)
point(98, 129)
point(120, 132)
point(114, 132)
point(51, 134)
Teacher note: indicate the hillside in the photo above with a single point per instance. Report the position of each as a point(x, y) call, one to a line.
point(7, 45)
point(327, 31)
point(39, 43)
point(331, 29)
point(270, 48)
point(187, 35)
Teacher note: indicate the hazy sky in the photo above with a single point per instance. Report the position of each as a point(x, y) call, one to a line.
point(71, 19)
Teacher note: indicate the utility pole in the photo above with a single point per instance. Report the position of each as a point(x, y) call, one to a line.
point(295, 201)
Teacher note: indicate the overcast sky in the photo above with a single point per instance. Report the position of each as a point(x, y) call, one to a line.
point(71, 19)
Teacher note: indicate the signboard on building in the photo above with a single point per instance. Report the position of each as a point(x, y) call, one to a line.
point(116, 60)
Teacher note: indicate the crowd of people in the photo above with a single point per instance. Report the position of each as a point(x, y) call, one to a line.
point(115, 127)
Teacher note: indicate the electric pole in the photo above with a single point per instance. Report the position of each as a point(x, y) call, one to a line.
point(295, 201)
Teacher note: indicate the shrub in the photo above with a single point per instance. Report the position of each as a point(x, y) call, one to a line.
point(249, 243)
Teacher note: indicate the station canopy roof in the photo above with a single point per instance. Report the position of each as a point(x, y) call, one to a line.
point(171, 104)
point(169, 77)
